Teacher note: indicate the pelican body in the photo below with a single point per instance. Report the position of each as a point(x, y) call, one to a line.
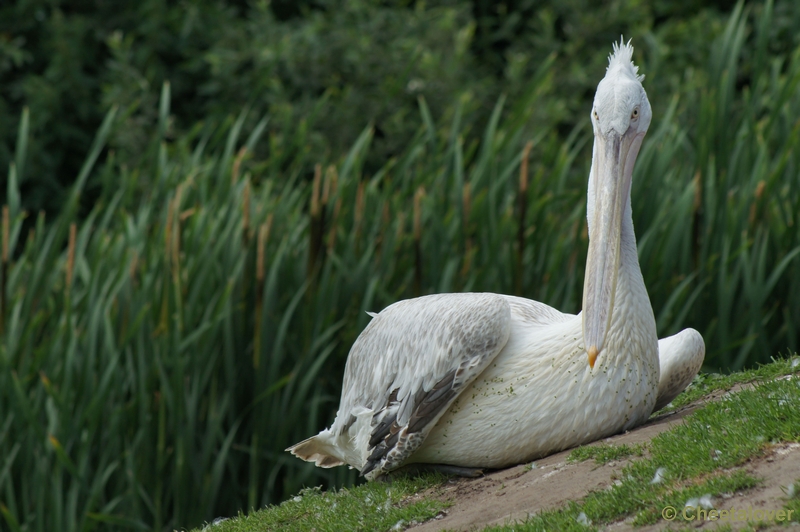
point(483, 380)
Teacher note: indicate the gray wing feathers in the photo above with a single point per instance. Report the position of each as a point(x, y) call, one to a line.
point(535, 313)
point(411, 362)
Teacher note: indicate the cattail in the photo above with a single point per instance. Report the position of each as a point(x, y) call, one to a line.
point(4, 271)
point(696, 221)
point(176, 236)
point(246, 213)
point(332, 233)
point(385, 215)
point(384, 226)
point(185, 214)
point(6, 229)
point(315, 191)
point(70, 255)
point(133, 266)
point(263, 237)
point(168, 228)
point(523, 170)
point(698, 191)
point(328, 192)
point(754, 206)
point(358, 213)
point(418, 213)
point(760, 189)
point(237, 163)
point(401, 224)
point(329, 187)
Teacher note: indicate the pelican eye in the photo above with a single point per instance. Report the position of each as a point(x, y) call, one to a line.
point(635, 113)
point(596, 117)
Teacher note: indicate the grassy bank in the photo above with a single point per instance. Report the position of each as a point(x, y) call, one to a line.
point(692, 460)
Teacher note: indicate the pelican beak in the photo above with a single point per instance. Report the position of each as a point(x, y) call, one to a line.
point(592, 352)
point(612, 167)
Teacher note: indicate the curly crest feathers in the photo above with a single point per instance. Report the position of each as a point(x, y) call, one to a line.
point(622, 58)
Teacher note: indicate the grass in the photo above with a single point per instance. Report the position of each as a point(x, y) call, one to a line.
point(161, 348)
point(793, 500)
point(368, 507)
point(706, 383)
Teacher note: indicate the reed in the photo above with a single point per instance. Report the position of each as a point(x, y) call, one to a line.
point(4, 270)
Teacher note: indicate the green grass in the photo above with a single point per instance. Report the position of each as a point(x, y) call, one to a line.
point(793, 500)
point(162, 347)
point(368, 507)
point(603, 453)
point(706, 383)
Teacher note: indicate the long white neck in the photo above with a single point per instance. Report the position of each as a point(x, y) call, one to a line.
point(632, 319)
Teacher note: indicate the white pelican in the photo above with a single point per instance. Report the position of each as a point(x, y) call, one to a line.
point(488, 380)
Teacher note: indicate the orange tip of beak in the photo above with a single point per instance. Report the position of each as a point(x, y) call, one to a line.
point(592, 355)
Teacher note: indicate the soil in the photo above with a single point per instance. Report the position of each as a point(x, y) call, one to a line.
point(511, 495)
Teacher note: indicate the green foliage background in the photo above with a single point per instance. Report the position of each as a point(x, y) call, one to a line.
point(245, 179)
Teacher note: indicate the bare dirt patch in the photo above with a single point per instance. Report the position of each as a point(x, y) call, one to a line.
point(511, 495)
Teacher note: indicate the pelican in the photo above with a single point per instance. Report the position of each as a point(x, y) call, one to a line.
point(482, 380)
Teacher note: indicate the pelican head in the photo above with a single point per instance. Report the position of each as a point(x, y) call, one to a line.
point(620, 117)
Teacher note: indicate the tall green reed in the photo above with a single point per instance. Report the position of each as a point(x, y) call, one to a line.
point(719, 246)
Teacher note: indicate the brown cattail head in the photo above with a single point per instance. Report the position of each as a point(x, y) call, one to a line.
point(754, 206)
point(176, 239)
point(237, 163)
point(698, 192)
point(263, 238)
point(418, 213)
point(187, 213)
point(134, 265)
point(359, 210)
point(4, 269)
point(315, 191)
point(71, 254)
point(385, 214)
point(523, 169)
point(178, 194)
point(329, 188)
point(332, 233)
point(168, 227)
point(401, 223)
point(246, 212)
point(760, 189)
point(466, 201)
